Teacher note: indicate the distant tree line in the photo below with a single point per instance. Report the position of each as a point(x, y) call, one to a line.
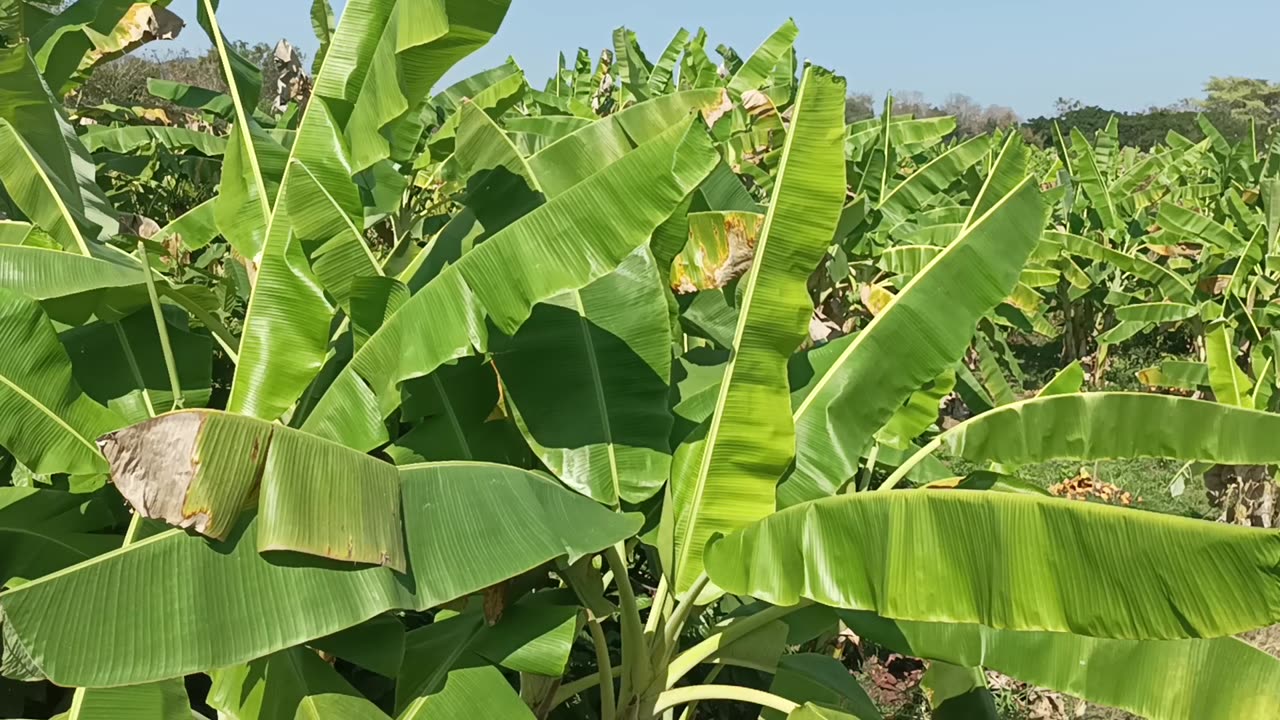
point(124, 81)
point(1230, 103)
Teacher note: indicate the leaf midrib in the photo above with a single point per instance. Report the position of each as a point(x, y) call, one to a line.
point(49, 412)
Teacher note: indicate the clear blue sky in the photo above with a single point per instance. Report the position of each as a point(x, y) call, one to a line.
point(1121, 54)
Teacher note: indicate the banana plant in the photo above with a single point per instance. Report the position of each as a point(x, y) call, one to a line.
point(526, 417)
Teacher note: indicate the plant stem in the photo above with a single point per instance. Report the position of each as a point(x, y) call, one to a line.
point(656, 608)
point(694, 693)
point(162, 328)
point(635, 674)
point(680, 615)
point(692, 708)
point(135, 527)
point(579, 686)
point(735, 630)
point(230, 345)
point(134, 369)
point(604, 666)
point(869, 471)
point(911, 462)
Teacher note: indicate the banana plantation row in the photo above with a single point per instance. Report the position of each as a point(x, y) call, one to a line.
point(630, 393)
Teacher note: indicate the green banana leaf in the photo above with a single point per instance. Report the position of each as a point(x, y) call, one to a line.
point(323, 707)
point(1159, 312)
point(755, 72)
point(472, 692)
point(495, 99)
point(536, 133)
point(131, 139)
point(662, 76)
point(315, 232)
point(1217, 679)
point(725, 475)
point(46, 530)
point(852, 386)
point(324, 25)
point(164, 700)
point(449, 101)
point(1097, 426)
point(1193, 227)
point(418, 44)
point(376, 645)
point(189, 96)
point(533, 636)
point(46, 169)
point(578, 156)
point(248, 188)
point(274, 687)
point(500, 188)
point(615, 211)
point(248, 606)
point(46, 421)
point(632, 66)
point(958, 693)
point(122, 365)
point(1090, 176)
point(194, 229)
point(606, 351)
point(821, 680)
point(933, 177)
point(881, 552)
point(49, 274)
point(1229, 383)
point(452, 411)
point(584, 349)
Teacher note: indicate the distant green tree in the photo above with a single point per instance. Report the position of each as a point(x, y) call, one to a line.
point(859, 106)
point(1243, 99)
point(1143, 129)
point(124, 81)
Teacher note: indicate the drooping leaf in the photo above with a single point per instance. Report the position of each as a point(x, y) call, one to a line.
point(1097, 426)
point(249, 606)
point(132, 138)
point(605, 350)
point(1221, 678)
point(1177, 578)
point(197, 469)
point(1160, 312)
